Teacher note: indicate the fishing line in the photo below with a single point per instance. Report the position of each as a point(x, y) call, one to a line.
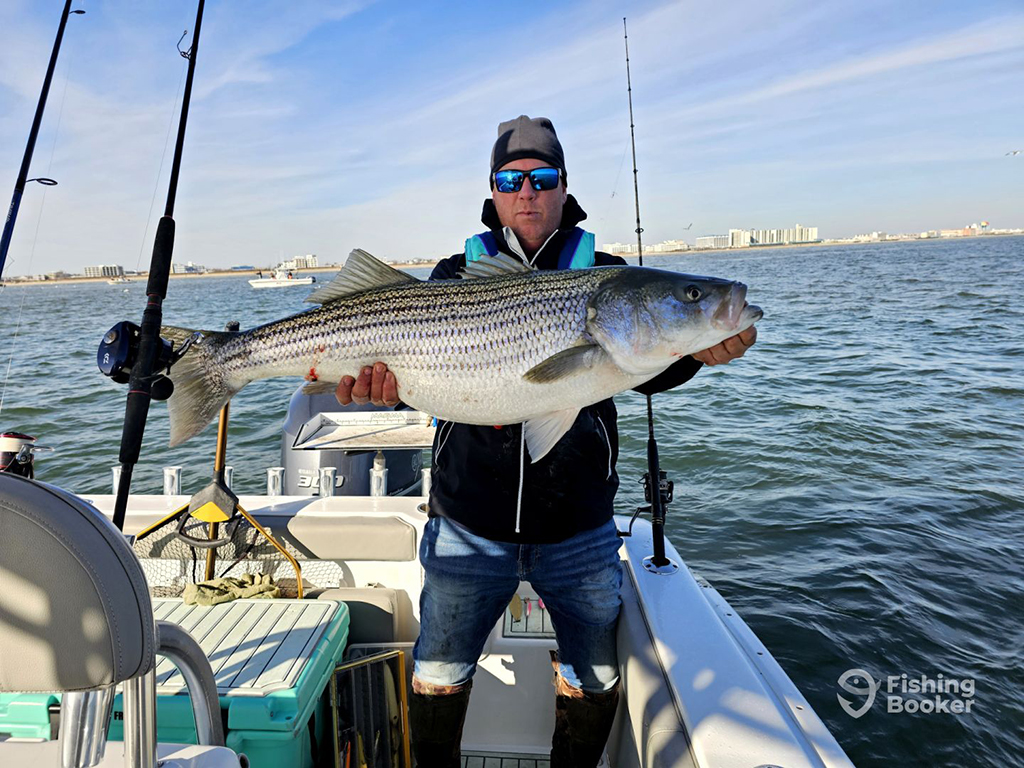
point(618, 174)
point(615, 186)
point(160, 170)
point(35, 235)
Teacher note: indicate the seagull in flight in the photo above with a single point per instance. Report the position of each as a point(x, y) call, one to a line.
point(1014, 152)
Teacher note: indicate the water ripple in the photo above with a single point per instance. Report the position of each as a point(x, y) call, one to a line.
point(852, 486)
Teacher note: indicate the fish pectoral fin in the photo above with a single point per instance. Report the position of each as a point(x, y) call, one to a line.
point(544, 431)
point(361, 272)
point(319, 387)
point(492, 266)
point(566, 363)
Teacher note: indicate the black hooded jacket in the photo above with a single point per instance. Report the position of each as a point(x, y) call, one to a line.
point(483, 478)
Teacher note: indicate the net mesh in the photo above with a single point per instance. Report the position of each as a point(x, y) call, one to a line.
point(170, 562)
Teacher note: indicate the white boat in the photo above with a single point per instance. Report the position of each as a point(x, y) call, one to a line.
point(118, 280)
point(698, 688)
point(283, 278)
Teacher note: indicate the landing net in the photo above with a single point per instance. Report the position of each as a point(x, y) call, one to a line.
point(170, 562)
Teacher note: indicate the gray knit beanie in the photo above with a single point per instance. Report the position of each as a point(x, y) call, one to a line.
point(532, 137)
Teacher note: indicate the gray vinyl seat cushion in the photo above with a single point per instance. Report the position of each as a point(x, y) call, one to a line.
point(75, 612)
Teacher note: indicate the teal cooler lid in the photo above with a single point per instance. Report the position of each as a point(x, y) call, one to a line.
point(271, 659)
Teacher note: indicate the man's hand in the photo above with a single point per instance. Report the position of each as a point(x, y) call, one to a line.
point(730, 349)
point(375, 385)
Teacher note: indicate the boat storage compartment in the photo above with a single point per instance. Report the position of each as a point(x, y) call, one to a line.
point(272, 660)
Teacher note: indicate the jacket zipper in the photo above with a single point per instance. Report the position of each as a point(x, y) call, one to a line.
point(451, 426)
point(522, 467)
point(609, 444)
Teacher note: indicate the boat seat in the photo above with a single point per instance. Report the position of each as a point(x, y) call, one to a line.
point(76, 618)
point(75, 613)
point(352, 538)
point(373, 612)
point(390, 539)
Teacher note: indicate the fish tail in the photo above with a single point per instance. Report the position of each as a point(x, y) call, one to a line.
point(201, 385)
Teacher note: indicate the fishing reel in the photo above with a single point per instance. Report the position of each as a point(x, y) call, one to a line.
point(120, 349)
point(17, 452)
point(666, 488)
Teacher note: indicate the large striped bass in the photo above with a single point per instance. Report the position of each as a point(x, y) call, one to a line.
point(505, 344)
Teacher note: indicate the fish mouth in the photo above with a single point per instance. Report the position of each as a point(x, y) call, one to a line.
point(730, 312)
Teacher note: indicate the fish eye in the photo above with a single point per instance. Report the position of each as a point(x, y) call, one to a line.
point(693, 293)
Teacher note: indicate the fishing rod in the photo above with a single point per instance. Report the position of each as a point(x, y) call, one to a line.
point(657, 486)
point(33, 134)
point(140, 348)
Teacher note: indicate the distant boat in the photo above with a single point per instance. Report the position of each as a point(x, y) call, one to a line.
point(283, 278)
point(118, 280)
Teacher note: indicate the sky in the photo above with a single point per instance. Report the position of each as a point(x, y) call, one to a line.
point(319, 126)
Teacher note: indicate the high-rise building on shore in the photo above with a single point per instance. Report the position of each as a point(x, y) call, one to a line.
point(744, 238)
point(309, 261)
point(669, 246)
point(713, 241)
point(739, 238)
point(105, 270)
point(630, 249)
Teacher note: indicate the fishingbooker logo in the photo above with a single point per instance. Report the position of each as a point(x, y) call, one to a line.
point(903, 693)
point(861, 683)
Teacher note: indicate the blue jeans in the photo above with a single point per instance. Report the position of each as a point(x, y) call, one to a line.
point(470, 581)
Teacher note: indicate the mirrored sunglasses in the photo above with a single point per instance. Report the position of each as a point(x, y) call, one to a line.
point(540, 179)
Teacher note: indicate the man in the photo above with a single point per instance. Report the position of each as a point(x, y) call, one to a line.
point(497, 518)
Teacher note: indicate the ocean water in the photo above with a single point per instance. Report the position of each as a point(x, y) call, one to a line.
point(852, 486)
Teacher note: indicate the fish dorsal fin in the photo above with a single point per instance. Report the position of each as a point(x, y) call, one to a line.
point(361, 272)
point(492, 266)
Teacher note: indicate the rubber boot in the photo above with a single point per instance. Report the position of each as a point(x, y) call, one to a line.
point(435, 724)
point(582, 724)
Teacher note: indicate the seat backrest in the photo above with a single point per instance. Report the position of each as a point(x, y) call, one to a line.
point(75, 612)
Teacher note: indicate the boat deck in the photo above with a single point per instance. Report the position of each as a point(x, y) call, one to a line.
point(503, 760)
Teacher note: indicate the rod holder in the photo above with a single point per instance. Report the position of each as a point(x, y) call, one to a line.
point(172, 481)
point(84, 720)
point(379, 476)
point(275, 481)
point(115, 471)
point(229, 475)
point(328, 478)
point(664, 567)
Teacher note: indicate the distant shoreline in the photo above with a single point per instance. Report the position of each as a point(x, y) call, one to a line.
point(140, 279)
point(820, 244)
